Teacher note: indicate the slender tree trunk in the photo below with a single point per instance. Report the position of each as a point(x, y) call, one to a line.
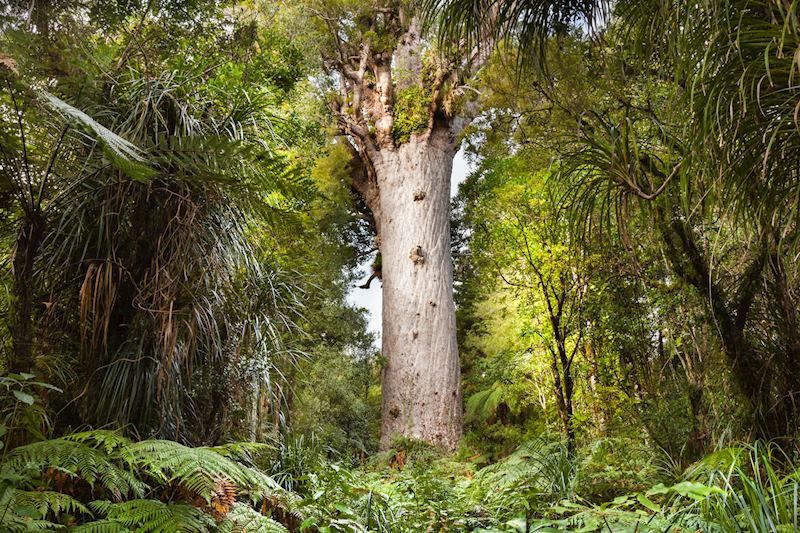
point(698, 441)
point(598, 411)
point(28, 243)
point(567, 412)
point(421, 394)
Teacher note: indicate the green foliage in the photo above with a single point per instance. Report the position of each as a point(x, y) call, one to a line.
point(159, 166)
point(538, 473)
point(23, 414)
point(410, 112)
point(612, 467)
point(625, 255)
point(484, 404)
point(758, 485)
point(105, 482)
point(149, 515)
point(337, 406)
point(244, 519)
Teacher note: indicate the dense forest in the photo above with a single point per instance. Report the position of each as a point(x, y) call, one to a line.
point(595, 329)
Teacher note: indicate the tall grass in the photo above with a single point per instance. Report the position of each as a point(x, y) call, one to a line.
point(760, 489)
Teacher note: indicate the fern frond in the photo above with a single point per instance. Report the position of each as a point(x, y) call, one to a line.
point(153, 516)
point(108, 440)
point(76, 459)
point(543, 466)
point(101, 526)
point(196, 469)
point(244, 452)
point(27, 510)
point(244, 518)
point(24, 524)
point(47, 501)
point(483, 404)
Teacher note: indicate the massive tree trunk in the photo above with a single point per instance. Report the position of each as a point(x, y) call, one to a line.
point(421, 394)
point(399, 111)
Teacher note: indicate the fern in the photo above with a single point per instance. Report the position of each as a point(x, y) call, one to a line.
point(22, 510)
point(539, 466)
point(45, 502)
point(196, 469)
point(75, 459)
point(101, 526)
point(483, 404)
point(244, 518)
point(152, 516)
point(203, 485)
point(107, 440)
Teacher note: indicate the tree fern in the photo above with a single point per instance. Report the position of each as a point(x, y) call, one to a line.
point(483, 404)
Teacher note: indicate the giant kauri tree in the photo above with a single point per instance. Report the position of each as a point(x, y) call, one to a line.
point(399, 107)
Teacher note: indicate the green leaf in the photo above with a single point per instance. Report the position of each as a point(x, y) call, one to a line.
point(619, 500)
point(695, 490)
point(343, 508)
point(658, 489)
point(520, 524)
point(24, 397)
point(307, 523)
point(646, 502)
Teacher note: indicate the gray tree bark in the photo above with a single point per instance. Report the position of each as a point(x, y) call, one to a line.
point(421, 393)
point(404, 179)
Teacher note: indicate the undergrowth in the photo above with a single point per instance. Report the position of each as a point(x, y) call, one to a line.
point(101, 481)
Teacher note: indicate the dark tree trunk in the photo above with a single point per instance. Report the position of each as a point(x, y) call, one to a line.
point(565, 406)
point(698, 442)
point(752, 374)
point(29, 241)
point(563, 382)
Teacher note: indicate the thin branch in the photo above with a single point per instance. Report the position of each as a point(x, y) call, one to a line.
point(21, 127)
point(50, 164)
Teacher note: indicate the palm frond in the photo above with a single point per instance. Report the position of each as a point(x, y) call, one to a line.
point(469, 24)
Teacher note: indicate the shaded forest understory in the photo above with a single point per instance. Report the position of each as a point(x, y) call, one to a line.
point(599, 331)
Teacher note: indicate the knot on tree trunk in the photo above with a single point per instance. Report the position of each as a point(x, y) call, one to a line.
point(417, 256)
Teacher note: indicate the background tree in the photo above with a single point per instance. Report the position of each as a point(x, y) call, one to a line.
point(666, 150)
point(158, 295)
